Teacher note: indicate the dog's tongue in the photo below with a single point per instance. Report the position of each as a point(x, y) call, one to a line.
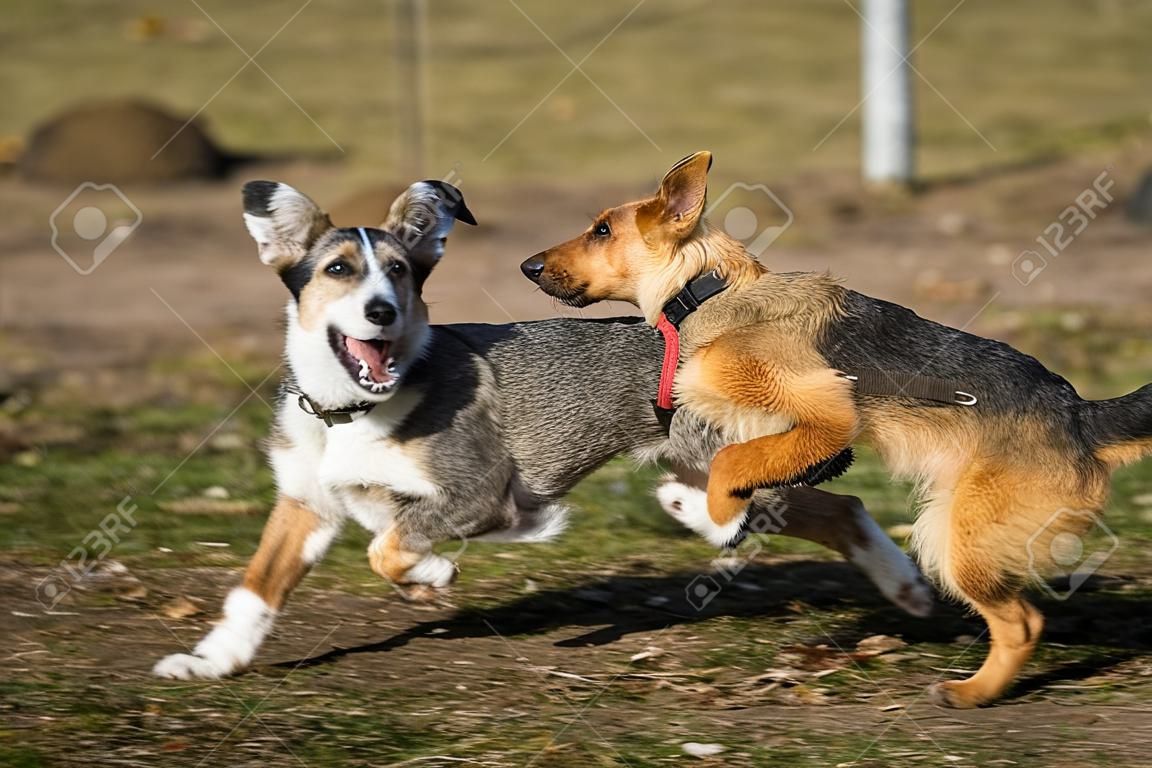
point(374, 353)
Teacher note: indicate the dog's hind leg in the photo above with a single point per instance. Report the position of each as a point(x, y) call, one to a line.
point(405, 560)
point(294, 539)
point(843, 524)
point(838, 522)
point(973, 543)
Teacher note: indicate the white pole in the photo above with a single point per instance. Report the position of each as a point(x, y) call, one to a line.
point(889, 130)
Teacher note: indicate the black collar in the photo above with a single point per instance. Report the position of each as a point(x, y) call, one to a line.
point(692, 296)
point(330, 416)
point(684, 303)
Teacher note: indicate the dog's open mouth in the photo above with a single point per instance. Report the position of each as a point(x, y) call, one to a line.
point(368, 361)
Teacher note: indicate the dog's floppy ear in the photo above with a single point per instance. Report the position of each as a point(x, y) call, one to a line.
point(423, 215)
point(679, 202)
point(283, 222)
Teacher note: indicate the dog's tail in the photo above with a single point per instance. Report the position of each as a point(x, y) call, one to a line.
point(1121, 428)
point(541, 525)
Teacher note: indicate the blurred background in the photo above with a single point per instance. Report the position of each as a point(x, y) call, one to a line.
point(998, 182)
point(544, 114)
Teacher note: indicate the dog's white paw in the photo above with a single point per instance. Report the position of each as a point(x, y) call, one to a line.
point(231, 644)
point(893, 572)
point(678, 499)
point(689, 505)
point(185, 666)
point(908, 589)
point(433, 571)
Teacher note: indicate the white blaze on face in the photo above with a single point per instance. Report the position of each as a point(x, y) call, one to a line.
point(377, 366)
point(376, 283)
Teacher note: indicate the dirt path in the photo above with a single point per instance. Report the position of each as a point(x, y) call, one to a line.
point(599, 673)
point(190, 268)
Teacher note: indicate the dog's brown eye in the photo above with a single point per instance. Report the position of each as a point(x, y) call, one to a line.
point(397, 268)
point(337, 268)
point(602, 230)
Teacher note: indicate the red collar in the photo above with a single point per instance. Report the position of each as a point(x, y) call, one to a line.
point(684, 303)
point(671, 359)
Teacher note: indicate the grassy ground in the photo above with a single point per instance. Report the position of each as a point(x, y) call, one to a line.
point(533, 659)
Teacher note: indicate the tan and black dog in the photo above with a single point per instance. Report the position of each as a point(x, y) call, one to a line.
point(1009, 460)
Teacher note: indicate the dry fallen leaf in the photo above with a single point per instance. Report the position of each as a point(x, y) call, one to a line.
point(180, 608)
point(878, 644)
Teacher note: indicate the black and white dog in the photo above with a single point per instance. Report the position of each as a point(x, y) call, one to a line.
point(424, 434)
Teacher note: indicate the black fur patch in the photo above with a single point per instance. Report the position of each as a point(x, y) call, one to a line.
point(738, 539)
point(821, 472)
point(453, 200)
point(257, 196)
point(830, 469)
point(297, 276)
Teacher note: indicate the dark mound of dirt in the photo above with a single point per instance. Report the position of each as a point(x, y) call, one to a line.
point(116, 141)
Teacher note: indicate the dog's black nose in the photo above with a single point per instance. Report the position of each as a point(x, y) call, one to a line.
point(533, 268)
point(380, 312)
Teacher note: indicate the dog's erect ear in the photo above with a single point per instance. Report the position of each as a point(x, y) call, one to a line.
point(283, 222)
point(423, 215)
point(679, 202)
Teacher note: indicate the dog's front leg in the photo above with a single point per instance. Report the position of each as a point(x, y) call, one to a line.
point(746, 395)
point(405, 560)
point(294, 539)
point(739, 470)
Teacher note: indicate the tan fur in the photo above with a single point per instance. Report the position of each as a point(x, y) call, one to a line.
point(995, 492)
point(1014, 627)
point(730, 379)
point(709, 250)
point(391, 558)
point(642, 262)
point(278, 564)
point(323, 289)
point(1122, 454)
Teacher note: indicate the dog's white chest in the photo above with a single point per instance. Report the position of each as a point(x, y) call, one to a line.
point(334, 466)
point(367, 453)
point(363, 455)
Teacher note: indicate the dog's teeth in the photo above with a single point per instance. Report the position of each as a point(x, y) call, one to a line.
point(392, 367)
point(365, 369)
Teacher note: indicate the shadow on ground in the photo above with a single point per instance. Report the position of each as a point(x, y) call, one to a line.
point(612, 608)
